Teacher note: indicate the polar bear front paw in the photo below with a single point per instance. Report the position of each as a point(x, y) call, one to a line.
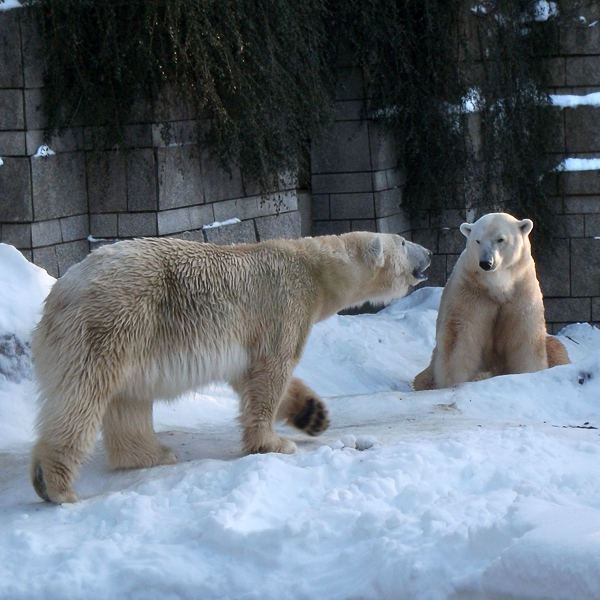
point(261, 443)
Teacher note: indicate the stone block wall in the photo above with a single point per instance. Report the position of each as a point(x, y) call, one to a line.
point(55, 207)
point(355, 180)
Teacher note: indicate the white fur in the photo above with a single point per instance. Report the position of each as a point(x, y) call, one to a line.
point(491, 317)
point(149, 319)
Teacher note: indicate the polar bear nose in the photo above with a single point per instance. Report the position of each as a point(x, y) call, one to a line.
point(486, 265)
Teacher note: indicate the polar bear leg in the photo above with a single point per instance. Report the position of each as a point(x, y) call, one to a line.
point(67, 433)
point(303, 409)
point(129, 438)
point(261, 391)
point(460, 356)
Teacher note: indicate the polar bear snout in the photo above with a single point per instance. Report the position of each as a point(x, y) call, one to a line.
point(425, 260)
point(486, 265)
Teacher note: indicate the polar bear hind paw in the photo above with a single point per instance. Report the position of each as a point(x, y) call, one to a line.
point(313, 418)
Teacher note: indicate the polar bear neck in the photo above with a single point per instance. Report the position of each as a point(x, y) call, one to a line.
point(342, 278)
point(501, 284)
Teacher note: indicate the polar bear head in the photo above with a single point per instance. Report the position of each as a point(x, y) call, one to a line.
point(497, 241)
point(395, 263)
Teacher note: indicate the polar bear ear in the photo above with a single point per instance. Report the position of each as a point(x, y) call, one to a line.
point(526, 225)
point(374, 251)
point(466, 229)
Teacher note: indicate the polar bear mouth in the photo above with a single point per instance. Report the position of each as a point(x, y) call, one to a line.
point(419, 273)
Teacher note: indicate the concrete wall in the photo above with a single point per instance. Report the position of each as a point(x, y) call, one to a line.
point(55, 208)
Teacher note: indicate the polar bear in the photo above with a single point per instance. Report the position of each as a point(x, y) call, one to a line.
point(150, 319)
point(491, 317)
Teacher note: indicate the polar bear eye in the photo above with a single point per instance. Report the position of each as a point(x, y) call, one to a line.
point(500, 240)
point(478, 241)
point(404, 242)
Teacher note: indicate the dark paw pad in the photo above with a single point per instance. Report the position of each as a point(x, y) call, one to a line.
point(39, 484)
point(313, 418)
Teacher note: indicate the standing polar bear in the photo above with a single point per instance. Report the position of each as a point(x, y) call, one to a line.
point(150, 319)
point(491, 317)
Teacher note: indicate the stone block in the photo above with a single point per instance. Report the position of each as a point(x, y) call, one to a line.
point(582, 126)
point(557, 69)
point(451, 260)
point(15, 183)
point(379, 180)
point(133, 225)
point(383, 148)
point(11, 110)
point(200, 215)
point(69, 254)
point(217, 183)
point(331, 227)
point(12, 143)
point(427, 238)
point(387, 202)
point(174, 133)
point(256, 206)
point(364, 225)
point(179, 177)
point(576, 183)
point(320, 207)
point(567, 310)
point(348, 110)
point(436, 273)
point(350, 84)
point(284, 225)
point(103, 226)
point(68, 141)
point(171, 106)
point(582, 70)
point(569, 225)
point(554, 269)
point(46, 259)
point(585, 267)
point(596, 309)
point(343, 149)
point(394, 224)
point(276, 203)
point(142, 192)
point(342, 183)
point(592, 226)
point(583, 204)
point(579, 38)
point(11, 73)
point(236, 233)
point(33, 54)
point(34, 113)
point(75, 228)
point(59, 186)
point(453, 218)
point(107, 182)
point(174, 221)
point(17, 235)
point(28, 254)
point(138, 136)
point(352, 206)
point(45, 233)
point(450, 241)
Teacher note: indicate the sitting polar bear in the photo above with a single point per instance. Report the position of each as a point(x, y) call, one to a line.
point(151, 319)
point(491, 317)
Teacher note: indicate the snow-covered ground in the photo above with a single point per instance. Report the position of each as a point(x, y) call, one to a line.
point(489, 490)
